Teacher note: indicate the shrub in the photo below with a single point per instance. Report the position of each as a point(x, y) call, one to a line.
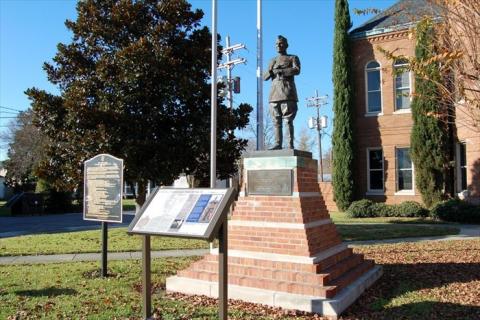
point(361, 209)
point(455, 210)
point(410, 209)
point(366, 208)
point(383, 210)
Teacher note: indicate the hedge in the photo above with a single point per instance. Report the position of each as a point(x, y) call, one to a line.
point(455, 210)
point(366, 208)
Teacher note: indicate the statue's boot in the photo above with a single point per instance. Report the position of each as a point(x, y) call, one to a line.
point(278, 137)
point(290, 135)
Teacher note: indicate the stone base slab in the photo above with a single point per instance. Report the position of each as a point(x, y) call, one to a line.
point(327, 307)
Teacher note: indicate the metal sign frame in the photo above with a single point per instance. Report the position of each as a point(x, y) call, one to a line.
point(120, 220)
point(213, 226)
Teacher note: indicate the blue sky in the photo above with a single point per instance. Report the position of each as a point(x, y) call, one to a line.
point(31, 29)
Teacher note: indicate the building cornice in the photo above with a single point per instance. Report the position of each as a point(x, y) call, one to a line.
point(393, 35)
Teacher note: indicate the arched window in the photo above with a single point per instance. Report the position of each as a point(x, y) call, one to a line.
point(402, 84)
point(374, 88)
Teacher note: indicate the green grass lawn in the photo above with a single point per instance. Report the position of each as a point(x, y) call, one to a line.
point(119, 240)
point(89, 241)
point(341, 217)
point(128, 204)
point(378, 228)
point(370, 231)
point(433, 280)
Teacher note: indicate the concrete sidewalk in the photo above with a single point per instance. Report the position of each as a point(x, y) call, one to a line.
point(466, 232)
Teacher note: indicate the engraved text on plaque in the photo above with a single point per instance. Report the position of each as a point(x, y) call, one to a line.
point(270, 182)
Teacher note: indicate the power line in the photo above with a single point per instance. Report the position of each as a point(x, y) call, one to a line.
point(12, 109)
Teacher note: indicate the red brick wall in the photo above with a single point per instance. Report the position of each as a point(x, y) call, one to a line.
point(388, 130)
point(326, 189)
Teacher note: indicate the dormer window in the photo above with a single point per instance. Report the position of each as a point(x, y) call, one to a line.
point(374, 88)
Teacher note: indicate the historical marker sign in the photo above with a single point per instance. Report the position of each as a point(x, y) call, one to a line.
point(270, 182)
point(191, 213)
point(103, 189)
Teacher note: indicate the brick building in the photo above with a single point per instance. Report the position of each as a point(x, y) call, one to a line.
point(383, 119)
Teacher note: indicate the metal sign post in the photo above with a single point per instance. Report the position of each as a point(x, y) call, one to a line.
point(223, 271)
point(146, 278)
point(104, 248)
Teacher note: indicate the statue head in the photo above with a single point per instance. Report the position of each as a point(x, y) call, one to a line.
point(281, 44)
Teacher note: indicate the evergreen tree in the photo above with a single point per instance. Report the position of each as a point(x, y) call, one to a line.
point(429, 138)
point(134, 83)
point(342, 139)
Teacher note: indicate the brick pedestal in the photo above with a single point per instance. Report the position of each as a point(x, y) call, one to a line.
point(283, 250)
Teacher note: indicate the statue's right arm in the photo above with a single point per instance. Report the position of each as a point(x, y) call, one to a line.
point(268, 74)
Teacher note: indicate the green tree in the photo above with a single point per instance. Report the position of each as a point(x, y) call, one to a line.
point(429, 138)
point(25, 151)
point(342, 138)
point(134, 83)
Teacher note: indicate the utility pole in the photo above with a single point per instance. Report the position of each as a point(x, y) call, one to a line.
point(228, 50)
point(318, 123)
point(232, 85)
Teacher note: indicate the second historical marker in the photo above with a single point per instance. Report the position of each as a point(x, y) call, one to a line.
point(103, 189)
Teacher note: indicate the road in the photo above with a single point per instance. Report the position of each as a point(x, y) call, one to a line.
point(23, 225)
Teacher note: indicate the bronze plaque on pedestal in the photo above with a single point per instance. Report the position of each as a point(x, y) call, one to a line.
point(270, 182)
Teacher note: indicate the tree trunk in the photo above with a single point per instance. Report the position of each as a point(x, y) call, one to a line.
point(141, 196)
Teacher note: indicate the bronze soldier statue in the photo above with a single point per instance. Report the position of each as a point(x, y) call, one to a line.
point(283, 93)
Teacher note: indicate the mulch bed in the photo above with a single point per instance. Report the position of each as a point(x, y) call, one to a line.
point(428, 280)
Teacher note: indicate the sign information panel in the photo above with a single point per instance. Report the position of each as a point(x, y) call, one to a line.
point(182, 212)
point(102, 199)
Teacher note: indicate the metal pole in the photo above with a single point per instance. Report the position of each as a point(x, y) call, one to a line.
point(260, 138)
point(146, 278)
point(319, 125)
point(104, 248)
point(223, 271)
point(320, 146)
point(213, 127)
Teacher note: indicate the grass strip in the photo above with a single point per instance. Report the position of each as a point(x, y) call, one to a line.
point(341, 217)
point(89, 241)
point(369, 231)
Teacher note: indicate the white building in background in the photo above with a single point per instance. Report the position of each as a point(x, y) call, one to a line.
point(3, 187)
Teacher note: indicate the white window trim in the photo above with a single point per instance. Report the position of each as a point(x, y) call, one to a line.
point(373, 113)
point(403, 110)
point(375, 191)
point(403, 192)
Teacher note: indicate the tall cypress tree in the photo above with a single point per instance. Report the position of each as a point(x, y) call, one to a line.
point(342, 107)
point(429, 139)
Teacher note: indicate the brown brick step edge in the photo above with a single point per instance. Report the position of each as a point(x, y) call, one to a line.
point(349, 277)
point(323, 279)
point(291, 278)
point(267, 284)
point(301, 267)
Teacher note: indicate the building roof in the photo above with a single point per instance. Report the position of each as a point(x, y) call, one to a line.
point(401, 15)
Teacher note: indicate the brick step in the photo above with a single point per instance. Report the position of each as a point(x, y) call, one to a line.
point(264, 273)
point(352, 275)
point(279, 265)
point(267, 284)
point(344, 266)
